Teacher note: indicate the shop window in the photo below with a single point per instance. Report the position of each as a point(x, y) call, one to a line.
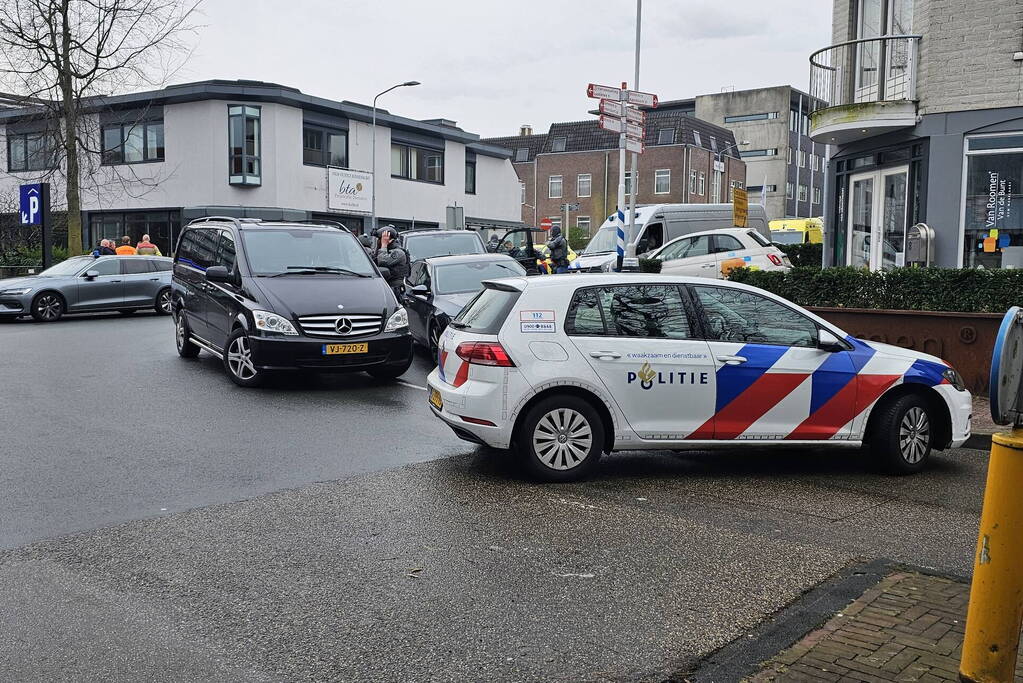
point(993, 205)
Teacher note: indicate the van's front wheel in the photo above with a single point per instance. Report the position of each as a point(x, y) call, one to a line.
point(561, 439)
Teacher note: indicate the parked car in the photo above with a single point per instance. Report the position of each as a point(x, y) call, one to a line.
point(420, 244)
point(275, 296)
point(659, 224)
point(522, 245)
point(715, 252)
point(563, 369)
point(437, 289)
point(86, 284)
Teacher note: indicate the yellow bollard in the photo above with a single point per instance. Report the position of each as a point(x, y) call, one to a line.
point(996, 595)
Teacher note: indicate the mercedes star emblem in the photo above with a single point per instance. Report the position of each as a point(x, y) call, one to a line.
point(343, 326)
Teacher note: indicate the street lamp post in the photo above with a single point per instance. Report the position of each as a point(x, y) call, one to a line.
point(373, 193)
point(734, 145)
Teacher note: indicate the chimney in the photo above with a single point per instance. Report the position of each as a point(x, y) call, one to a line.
point(525, 130)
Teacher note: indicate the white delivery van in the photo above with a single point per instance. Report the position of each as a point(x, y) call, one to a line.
point(658, 224)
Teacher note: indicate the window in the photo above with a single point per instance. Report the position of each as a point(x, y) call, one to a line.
point(522, 154)
point(651, 311)
point(110, 266)
point(789, 189)
point(751, 117)
point(702, 188)
point(135, 266)
point(770, 152)
point(323, 147)
point(744, 317)
point(417, 163)
point(583, 185)
point(554, 186)
point(692, 182)
point(816, 195)
point(992, 219)
point(244, 145)
point(732, 185)
point(198, 248)
point(762, 188)
point(788, 155)
point(487, 312)
point(522, 192)
point(687, 248)
point(802, 193)
point(555, 222)
point(662, 181)
point(696, 138)
point(31, 152)
point(470, 177)
point(802, 158)
point(666, 136)
point(583, 223)
point(629, 176)
point(132, 143)
point(723, 243)
point(806, 125)
point(558, 144)
point(713, 143)
point(814, 159)
point(226, 251)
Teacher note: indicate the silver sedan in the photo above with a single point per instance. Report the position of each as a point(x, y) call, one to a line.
point(84, 284)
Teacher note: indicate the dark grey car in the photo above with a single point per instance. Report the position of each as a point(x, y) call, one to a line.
point(85, 284)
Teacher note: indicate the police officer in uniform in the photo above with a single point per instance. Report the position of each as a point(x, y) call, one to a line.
point(558, 247)
point(390, 255)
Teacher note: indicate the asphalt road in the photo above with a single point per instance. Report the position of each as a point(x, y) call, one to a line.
point(104, 423)
point(452, 569)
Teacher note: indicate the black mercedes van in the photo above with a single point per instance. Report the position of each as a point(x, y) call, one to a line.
point(271, 295)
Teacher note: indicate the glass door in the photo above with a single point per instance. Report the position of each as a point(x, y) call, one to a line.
point(893, 217)
point(861, 220)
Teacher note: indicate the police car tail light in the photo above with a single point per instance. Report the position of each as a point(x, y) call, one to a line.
point(775, 259)
point(484, 353)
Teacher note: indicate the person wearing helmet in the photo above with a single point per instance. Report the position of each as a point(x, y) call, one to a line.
point(390, 255)
point(558, 247)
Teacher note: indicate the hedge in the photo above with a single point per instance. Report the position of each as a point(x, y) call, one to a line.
point(804, 254)
point(968, 290)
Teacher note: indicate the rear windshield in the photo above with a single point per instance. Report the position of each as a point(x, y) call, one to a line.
point(760, 239)
point(787, 237)
point(271, 252)
point(487, 312)
point(428, 246)
point(458, 278)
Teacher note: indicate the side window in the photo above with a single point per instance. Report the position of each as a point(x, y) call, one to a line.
point(415, 276)
point(737, 316)
point(160, 266)
point(204, 248)
point(645, 311)
point(676, 249)
point(699, 246)
point(110, 266)
point(135, 266)
point(514, 244)
point(653, 238)
point(226, 251)
point(726, 243)
point(584, 314)
point(186, 247)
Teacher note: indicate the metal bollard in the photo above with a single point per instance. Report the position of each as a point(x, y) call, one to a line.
point(996, 595)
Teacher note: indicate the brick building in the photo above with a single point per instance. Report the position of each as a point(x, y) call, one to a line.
point(686, 161)
point(922, 105)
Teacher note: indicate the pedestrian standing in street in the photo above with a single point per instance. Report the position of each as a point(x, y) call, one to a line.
point(390, 255)
point(558, 247)
point(125, 249)
point(147, 248)
point(106, 248)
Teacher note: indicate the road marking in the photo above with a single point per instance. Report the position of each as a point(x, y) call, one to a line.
point(412, 386)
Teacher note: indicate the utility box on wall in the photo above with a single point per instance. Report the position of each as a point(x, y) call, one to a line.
point(455, 218)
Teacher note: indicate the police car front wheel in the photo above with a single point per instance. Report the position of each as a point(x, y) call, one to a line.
point(561, 439)
point(902, 434)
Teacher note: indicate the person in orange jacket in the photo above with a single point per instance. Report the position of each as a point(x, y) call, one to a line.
point(125, 249)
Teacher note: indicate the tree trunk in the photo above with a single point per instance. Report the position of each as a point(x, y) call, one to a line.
point(69, 107)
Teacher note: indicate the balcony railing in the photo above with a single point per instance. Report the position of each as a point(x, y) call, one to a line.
point(866, 70)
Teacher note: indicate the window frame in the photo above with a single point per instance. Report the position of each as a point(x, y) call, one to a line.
point(702, 184)
point(578, 184)
point(739, 118)
point(660, 135)
point(578, 223)
point(790, 190)
point(662, 173)
point(521, 155)
point(802, 193)
point(49, 144)
point(245, 113)
point(522, 192)
point(406, 151)
point(696, 331)
point(470, 165)
point(550, 186)
point(559, 143)
point(324, 133)
point(124, 129)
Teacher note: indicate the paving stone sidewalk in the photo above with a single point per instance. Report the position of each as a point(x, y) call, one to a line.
point(908, 627)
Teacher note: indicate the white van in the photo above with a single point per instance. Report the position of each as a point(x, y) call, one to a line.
point(658, 224)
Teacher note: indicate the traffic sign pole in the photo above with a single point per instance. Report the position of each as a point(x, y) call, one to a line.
point(619, 212)
point(47, 227)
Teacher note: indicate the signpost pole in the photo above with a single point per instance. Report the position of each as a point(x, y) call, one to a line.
point(46, 225)
point(631, 248)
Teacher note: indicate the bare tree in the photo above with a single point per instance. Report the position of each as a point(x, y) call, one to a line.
point(61, 55)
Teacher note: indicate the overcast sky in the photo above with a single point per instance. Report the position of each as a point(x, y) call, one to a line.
point(493, 66)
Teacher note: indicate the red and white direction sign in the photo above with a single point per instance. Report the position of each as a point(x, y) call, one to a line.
point(603, 92)
point(634, 130)
point(642, 99)
point(612, 108)
point(634, 115)
point(633, 146)
point(612, 124)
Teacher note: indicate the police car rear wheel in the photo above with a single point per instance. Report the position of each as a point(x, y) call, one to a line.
point(561, 439)
point(902, 434)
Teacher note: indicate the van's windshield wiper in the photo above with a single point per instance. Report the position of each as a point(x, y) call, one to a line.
point(306, 270)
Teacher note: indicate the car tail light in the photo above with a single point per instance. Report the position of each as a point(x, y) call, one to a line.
point(775, 259)
point(484, 353)
point(477, 421)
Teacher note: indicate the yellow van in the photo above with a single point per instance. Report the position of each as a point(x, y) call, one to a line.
point(797, 231)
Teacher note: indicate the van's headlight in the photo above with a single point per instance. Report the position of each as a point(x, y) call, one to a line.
point(398, 321)
point(955, 379)
point(271, 323)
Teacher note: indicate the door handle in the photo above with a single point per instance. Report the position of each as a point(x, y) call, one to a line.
point(114, 280)
point(154, 279)
point(732, 360)
point(605, 354)
point(708, 265)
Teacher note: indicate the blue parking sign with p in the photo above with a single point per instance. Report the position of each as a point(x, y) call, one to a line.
point(31, 205)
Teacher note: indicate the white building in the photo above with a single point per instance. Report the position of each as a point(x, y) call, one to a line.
point(245, 148)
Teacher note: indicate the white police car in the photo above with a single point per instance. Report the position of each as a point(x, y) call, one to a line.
point(568, 367)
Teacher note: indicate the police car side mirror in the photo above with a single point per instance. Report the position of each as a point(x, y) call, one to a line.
point(826, 341)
